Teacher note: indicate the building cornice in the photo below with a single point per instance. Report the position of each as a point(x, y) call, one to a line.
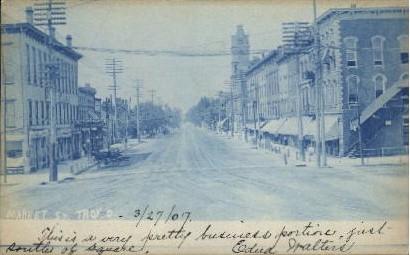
point(40, 36)
point(349, 13)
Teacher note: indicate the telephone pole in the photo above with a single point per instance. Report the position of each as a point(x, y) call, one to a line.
point(3, 116)
point(296, 36)
point(50, 13)
point(318, 93)
point(230, 84)
point(126, 122)
point(152, 92)
point(139, 85)
point(113, 67)
point(258, 115)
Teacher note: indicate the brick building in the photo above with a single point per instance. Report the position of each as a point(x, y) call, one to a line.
point(25, 55)
point(364, 80)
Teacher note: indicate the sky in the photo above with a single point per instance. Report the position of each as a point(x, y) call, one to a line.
point(187, 26)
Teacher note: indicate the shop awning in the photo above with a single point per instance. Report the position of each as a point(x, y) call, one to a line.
point(331, 126)
point(222, 122)
point(262, 125)
point(273, 126)
point(93, 116)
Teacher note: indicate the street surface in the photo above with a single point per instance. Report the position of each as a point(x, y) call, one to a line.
point(220, 178)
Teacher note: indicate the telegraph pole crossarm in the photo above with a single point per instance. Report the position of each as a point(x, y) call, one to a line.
point(113, 67)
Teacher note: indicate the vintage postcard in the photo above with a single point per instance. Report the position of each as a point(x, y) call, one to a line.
point(204, 127)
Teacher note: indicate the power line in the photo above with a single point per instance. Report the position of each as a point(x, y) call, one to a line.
point(167, 52)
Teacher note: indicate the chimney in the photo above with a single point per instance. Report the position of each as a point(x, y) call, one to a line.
point(29, 15)
point(69, 41)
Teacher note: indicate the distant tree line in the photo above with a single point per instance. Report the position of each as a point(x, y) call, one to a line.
point(154, 119)
point(206, 112)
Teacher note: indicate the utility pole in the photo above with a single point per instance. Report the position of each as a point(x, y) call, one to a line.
point(231, 96)
point(299, 110)
point(50, 13)
point(317, 86)
point(113, 67)
point(3, 149)
point(296, 35)
point(258, 115)
point(359, 130)
point(138, 87)
point(243, 103)
point(126, 122)
point(152, 92)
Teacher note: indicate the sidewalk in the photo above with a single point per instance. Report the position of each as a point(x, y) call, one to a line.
point(67, 170)
point(332, 161)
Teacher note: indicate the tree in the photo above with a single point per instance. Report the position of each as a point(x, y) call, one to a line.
point(206, 111)
point(154, 119)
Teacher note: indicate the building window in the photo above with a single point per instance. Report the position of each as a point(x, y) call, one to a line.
point(28, 64)
point(14, 149)
point(30, 113)
point(8, 66)
point(45, 62)
point(59, 114)
point(379, 84)
point(10, 114)
point(405, 130)
point(42, 113)
point(59, 76)
point(377, 47)
point(351, 51)
point(40, 67)
point(65, 77)
point(34, 66)
point(36, 108)
point(335, 92)
point(331, 94)
point(47, 113)
point(353, 90)
point(404, 48)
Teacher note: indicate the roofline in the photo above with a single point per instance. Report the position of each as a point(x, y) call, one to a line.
point(269, 56)
point(279, 54)
point(334, 11)
point(58, 46)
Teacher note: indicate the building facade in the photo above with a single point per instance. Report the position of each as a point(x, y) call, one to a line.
point(26, 56)
point(363, 85)
point(90, 122)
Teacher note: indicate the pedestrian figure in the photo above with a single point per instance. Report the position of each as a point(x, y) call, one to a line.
point(285, 157)
point(310, 152)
